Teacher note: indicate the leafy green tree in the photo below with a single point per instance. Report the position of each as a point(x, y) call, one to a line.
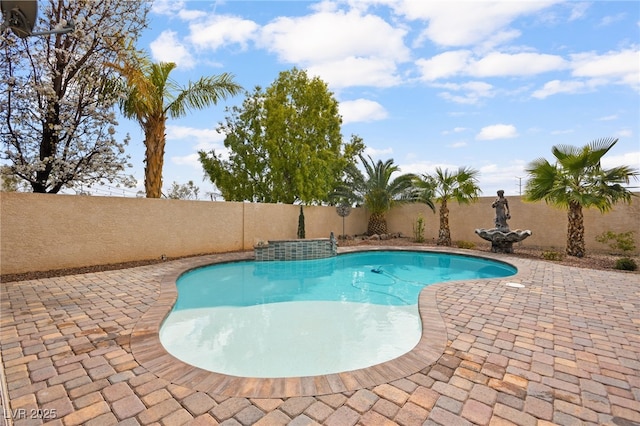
point(284, 144)
point(153, 97)
point(577, 180)
point(376, 190)
point(441, 187)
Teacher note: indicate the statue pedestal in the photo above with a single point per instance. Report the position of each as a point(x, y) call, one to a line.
point(502, 239)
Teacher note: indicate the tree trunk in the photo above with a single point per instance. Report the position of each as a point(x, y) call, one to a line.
point(48, 145)
point(444, 234)
point(377, 224)
point(154, 140)
point(575, 231)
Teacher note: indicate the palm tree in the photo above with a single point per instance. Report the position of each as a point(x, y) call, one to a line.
point(576, 181)
point(377, 191)
point(152, 97)
point(442, 186)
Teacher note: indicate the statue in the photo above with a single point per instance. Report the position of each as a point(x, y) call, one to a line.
point(502, 211)
point(501, 237)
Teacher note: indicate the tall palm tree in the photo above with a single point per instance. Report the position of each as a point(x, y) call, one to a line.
point(152, 97)
point(442, 186)
point(576, 181)
point(377, 191)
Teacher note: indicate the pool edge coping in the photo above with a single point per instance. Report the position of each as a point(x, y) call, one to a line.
point(149, 352)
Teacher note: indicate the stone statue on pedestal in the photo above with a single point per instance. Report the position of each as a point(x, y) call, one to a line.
point(501, 237)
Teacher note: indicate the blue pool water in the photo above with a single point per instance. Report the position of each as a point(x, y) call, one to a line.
point(299, 318)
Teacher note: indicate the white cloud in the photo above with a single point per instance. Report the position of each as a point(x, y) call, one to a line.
point(624, 133)
point(222, 30)
point(454, 130)
point(459, 144)
point(503, 176)
point(594, 70)
point(191, 160)
point(374, 153)
point(631, 159)
point(343, 48)
point(206, 139)
point(361, 110)
point(502, 64)
point(497, 131)
point(352, 71)
point(611, 19)
point(444, 65)
point(556, 86)
point(426, 167)
point(175, 8)
point(324, 36)
point(578, 10)
point(167, 48)
point(608, 118)
point(467, 23)
point(472, 92)
point(621, 67)
point(167, 7)
point(495, 64)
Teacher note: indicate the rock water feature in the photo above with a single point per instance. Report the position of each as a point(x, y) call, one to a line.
point(501, 237)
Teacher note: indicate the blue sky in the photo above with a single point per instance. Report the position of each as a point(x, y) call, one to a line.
point(487, 85)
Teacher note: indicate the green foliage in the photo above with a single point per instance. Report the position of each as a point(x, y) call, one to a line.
point(578, 177)
point(466, 244)
point(622, 241)
point(301, 233)
point(552, 255)
point(377, 191)
point(442, 186)
point(418, 230)
point(577, 180)
point(187, 191)
point(284, 144)
point(153, 97)
point(626, 264)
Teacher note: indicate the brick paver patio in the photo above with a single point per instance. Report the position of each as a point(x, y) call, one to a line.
point(565, 349)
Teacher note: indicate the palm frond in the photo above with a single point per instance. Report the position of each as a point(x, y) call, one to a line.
point(202, 93)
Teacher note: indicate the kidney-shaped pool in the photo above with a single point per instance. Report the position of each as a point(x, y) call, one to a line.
point(308, 317)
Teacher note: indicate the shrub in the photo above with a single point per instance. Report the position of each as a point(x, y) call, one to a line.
point(418, 230)
point(301, 233)
point(622, 241)
point(626, 264)
point(466, 244)
point(552, 255)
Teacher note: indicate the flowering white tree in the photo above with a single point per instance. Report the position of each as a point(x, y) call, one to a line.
point(57, 102)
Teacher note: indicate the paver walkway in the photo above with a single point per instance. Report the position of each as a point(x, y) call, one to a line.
point(565, 349)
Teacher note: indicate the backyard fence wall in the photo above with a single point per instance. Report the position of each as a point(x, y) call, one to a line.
point(40, 232)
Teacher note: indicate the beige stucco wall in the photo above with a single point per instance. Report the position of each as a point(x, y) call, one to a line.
point(547, 223)
point(263, 222)
point(44, 232)
point(41, 232)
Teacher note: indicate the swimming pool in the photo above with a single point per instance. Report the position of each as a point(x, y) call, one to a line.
point(306, 318)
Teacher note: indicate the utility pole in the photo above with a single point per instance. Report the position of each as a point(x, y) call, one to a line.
point(520, 184)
